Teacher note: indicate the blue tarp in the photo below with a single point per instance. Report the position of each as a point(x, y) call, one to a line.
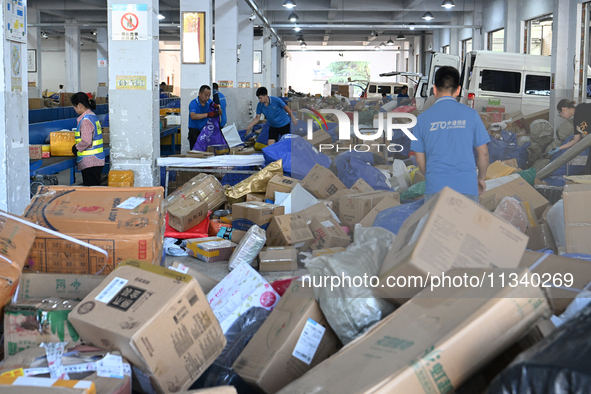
point(504, 150)
point(392, 218)
point(298, 155)
point(572, 170)
point(233, 179)
point(354, 165)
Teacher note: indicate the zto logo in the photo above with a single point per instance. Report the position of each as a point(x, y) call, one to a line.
point(345, 129)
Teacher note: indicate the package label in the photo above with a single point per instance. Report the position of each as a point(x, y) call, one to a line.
point(111, 366)
point(327, 223)
point(309, 341)
point(131, 203)
point(111, 290)
point(183, 269)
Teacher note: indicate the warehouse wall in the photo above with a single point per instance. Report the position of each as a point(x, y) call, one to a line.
point(493, 15)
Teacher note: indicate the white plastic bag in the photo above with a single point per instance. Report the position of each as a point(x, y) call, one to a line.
point(555, 219)
point(400, 174)
point(249, 247)
point(231, 135)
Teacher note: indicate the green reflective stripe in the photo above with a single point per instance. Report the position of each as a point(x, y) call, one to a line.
point(97, 142)
point(77, 134)
point(78, 140)
point(91, 152)
point(98, 127)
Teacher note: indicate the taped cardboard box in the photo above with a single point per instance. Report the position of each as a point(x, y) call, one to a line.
point(320, 211)
point(290, 230)
point(279, 183)
point(448, 231)
point(321, 182)
point(540, 237)
point(247, 214)
point(211, 251)
point(260, 197)
point(517, 188)
point(499, 169)
point(200, 188)
point(68, 286)
point(26, 385)
point(121, 178)
point(435, 356)
point(337, 196)
point(186, 214)
point(207, 283)
point(158, 319)
point(353, 208)
point(577, 218)
point(36, 103)
point(61, 143)
point(278, 258)
point(527, 120)
point(125, 222)
point(275, 356)
point(316, 253)
point(320, 137)
point(361, 186)
point(328, 234)
point(386, 203)
point(35, 152)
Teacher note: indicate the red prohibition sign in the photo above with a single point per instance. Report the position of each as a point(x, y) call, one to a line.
point(130, 19)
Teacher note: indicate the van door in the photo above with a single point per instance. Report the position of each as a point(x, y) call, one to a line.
point(439, 60)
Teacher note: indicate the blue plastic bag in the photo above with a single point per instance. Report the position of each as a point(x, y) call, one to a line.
point(211, 134)
point(503, 150)
point(354, 165)
point(298, 155)
point(572, 170)
point(392, 218)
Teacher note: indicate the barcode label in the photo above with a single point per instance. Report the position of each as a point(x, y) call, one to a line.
point(111, 290)
point(131, 203)
point(327, 223)
point(183, 269)
point(309, 341)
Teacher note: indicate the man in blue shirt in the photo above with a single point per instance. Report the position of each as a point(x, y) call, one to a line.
point(400, 99)
point(220, 100)
point(277, 114)
point(446, 135)
point(200, 109)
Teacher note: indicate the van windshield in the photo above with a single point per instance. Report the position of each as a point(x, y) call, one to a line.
point(538, 85)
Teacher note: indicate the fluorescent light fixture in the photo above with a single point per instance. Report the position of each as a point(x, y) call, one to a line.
point(289, 4)
point(448, 4)
point(303, 45)
point(390, 42)
point(412, 25)
point(377, 48)
point(400, 37)
point(160, 17)
point(293, 17)
point(296, 28)
point(300, 39)
point(428, 16)
point(382, 45)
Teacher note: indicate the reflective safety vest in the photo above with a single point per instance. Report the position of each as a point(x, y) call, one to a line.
point(97, 140)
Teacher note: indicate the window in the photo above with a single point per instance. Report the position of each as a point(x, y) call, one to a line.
point(538, 85)
point(445, 49)
point(372, 88)
point(538, 36)
point(424, 90)
point(500, 81)
point(466, 46)
point(496, 40)
point(384, 89)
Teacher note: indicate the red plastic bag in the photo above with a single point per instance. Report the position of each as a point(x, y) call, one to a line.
point(404, 108)
point(281, 285)
point(199, 231)
point(215, 225)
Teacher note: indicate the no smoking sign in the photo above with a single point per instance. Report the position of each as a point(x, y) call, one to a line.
point(129, 22)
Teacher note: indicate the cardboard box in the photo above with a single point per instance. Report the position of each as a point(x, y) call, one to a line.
point(386, 203)
point(186, 214)
point(207, 283)
point(158, 319)
point(61, 143)
point(196, 154)
point(268, 361)
point(293, 105)
point(337, 196)
point(35, 152)
point(328, 234)
point(519, 189)
point(69, 286)
point(448, 231)
point(540, 237)
point(361, 186)
point(201, 188)
point(577, 218)
point(290, 230)
point(353, 208)
point(65, 99)
point(495, 108)
point(457, 331)
point(259, 197)
point(321, 182)
point(247, 214)
point(320, 211)
point(321, 252)
point(237, 236)
point(320, 137)
point(18, 385)
point(527, 120)
point(219, 150)
point(240, 290)
point(46, 151)
point(212, 250)
point(101, 100)
point(36, 103)
point(92, 214)
point(499, 169)
point(280, 183)
point(278, 258)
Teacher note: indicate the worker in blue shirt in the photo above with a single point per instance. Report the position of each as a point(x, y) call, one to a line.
point(220, 100)
point(446, 135)
point(200, 109)
point(402, 96)
point(277, 114)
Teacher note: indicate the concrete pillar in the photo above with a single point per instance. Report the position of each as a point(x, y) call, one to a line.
point(563, 47)
point(477, 35)
point(34, 41)
point(454, 43)
point(226, 40)
point(245, 92)
point(512, 24)
point(14, 126)
point(275, 56)
point(102, 55)
point(134, 92)
point(423, 55)
point(195, 75)
point(267, 60)
point(436, 40)
point(72, 57)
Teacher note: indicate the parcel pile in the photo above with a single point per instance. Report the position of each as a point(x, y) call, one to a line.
point(414, 297)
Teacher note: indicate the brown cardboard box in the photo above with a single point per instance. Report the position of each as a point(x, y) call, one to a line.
point(495, 108)
point(448, 231)
point(486, 119)
point(527, 120)
point(196, 154)
point(207, 283)
point(280, 183)
point(36, 103)
point(499, 169)
point(211, 251)
point(260, 197)
point(101, 100)
point(65, 99)
point(577, 218)
point(279, 258)
point(320, 137)
point(91, 214)
point(337, 196)
point(328, 234)
point(201, 188)
point(186, 214)
point(294, 105)
point(69, 286)
point(419, 177)
point(237, 236)
point(16, 385)
point(316, 253)
point(353, 208)
point(519, 189)
point(241, 150)
point(319, 211)
point(247, 214)
point(456, 332)
point(387, 202)
point(268, 361)
point(35, 152)
point(106, 138)
point(321, 182)
point(540, 237)
point(158, 319)
point(361, 186)
point(289, 230)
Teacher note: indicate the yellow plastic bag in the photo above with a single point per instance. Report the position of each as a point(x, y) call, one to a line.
point(61, 143)
point(256, 183)
point(121, 178)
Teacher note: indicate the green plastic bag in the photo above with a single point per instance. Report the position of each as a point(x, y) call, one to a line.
point(415, 191)
point(529, 175)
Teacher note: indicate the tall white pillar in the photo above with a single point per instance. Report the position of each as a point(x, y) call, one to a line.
point(563, 47)
point(477, 36)
point(512, 34)
point(14, 126)
point(267, 60)
point(133, 89)
point(102, 55)
point(275, 58)
point(454, 44)
point(72, 56)
point(245, 92)
point(34, 41)
point(195, 75)
point(226, 40)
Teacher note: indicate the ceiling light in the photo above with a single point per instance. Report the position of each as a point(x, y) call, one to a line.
point(382, 45)
point(160, 17)
point(44, 35)
point(412, 25)
point(373, 33)
point(303, 45)
point(390, 42)
point(94, 32)
point(448, 4)
point(300, 38)
point(400, 37)
point(293, 17)
point(428, 16)
point(289, 4)
point(296, 28)
point(377, 48)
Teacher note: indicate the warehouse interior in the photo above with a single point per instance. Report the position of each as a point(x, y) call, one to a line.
point(263, 196)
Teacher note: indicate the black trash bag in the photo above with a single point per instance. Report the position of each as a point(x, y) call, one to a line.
point(220, 373)
point(560, 364)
